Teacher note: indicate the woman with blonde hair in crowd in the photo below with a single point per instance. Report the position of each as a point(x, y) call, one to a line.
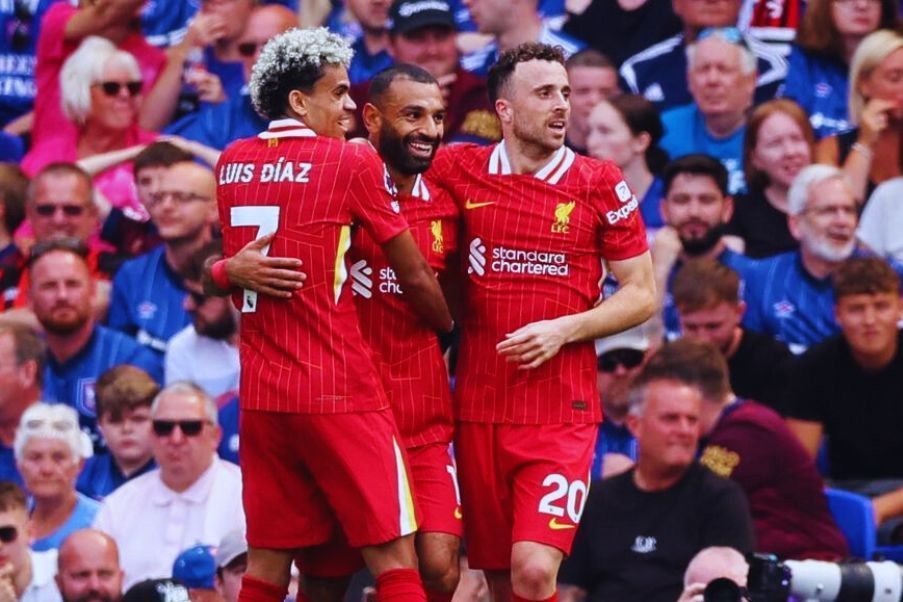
point(870, 153)
point(778, 143)
point(818, 66)
point(50, 450)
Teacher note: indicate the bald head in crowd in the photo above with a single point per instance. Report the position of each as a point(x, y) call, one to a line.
point(265, 22)
point(88, 568)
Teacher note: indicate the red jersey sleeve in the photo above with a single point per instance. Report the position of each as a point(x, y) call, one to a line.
point(623, 231)
point(372, 197)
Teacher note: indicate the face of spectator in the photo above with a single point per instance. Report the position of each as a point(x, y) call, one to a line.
point(536, 105)
point(668, 429)
point(696, 208)
point(371, 14)
point(781, 149)
point(184, 458)
point(490, 16)
point(129, 435)
point(15, 552)
point(231, 17)
point(610, 138)
point(589, 87)
point(61, 291)
point(856, 17)
point(49, 468)
point(411, 125)
point(614, 379)
point(716, 78)
point(184, 208)
point(715, 325)
point(229, 583)
point(698, 14)
point(265, 22)
point(62, 207)
point(148, 181)
point(329, 107)
point(118, 111)
point(212, 316)
point(827, 226)
point(886, 82)
point(869, 322)
point(15, 378)
point(89, 569)
point(432, 48)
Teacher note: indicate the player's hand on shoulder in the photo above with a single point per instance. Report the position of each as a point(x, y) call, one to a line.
point(534, 344)
point(274, 276)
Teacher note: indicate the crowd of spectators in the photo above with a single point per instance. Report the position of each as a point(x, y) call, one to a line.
point(762, 140)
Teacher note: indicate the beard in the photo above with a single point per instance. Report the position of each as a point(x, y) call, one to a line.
point(93, 596)
point(220, 329)
point(695, 247)
point(827, 251)
point(394, 149)
point(63, 327)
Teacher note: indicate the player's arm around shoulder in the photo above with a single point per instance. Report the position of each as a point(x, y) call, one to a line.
point(420, 285)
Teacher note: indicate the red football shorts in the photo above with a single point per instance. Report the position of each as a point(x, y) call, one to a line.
point(521, 483)
point(309, 479)
point(435, 481)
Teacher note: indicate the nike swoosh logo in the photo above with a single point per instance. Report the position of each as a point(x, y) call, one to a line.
point(471, 205)
point(554, 525)
point(458, 514)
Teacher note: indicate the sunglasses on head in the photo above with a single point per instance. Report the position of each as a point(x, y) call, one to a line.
point(113, 88)
point(629, 358)
point(8, 534)
point(189, 428)
point(49, 209)
point(247, 49)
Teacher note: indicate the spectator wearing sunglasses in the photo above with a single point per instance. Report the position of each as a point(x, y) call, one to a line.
point(22, 354)
point(50, 452)
point(28, 576)
point(148, 298)
point(123, 396)
point(102, 96)
point(192, 498)
point(79, 349)
point(88, 568)
point(620, 358)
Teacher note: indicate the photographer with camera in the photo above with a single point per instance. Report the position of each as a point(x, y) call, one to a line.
point(714, 570)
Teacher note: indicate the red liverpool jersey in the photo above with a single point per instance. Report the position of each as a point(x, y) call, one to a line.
point(305, 354)
point(534, 246)
point(407, 353)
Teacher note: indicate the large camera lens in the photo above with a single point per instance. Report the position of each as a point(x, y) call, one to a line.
point(722, 590)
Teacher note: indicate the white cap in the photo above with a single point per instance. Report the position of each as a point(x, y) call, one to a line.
point(632, 338)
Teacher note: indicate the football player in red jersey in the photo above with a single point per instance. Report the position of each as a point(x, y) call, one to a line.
point(537, 221)
point(322, 464)
point(404, 116)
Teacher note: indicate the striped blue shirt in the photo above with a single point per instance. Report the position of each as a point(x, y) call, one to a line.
point(72, 382)
point(148, 300)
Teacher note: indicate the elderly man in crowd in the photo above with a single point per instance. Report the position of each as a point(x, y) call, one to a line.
point(193, 497)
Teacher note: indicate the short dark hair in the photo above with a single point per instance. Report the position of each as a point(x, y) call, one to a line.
point(123, 389)
point(193, 269)
point(66, 245)
point(381, 82)
point(865, 276)
point(698, 165)
point(60, 168)
point(12, 497)
point(588, 57)
point(500, 73)
point(160, 154)
point(704, 283)
point(13, 190)
point(640, 115)
point(28, 345)
point(690, 362)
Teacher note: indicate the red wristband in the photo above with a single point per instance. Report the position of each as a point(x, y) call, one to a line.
point(219, 276)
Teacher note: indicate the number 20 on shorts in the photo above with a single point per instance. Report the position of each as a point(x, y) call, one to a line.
point(565, 498)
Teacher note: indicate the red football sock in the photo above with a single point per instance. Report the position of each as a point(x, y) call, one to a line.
point(256, 590)
point(552, 598)
point(434, 596)
point(399, 585)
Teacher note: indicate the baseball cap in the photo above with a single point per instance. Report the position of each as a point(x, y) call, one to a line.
point(408, 15)
point(632, 338)
point(156, 590)
point(231, 547)
point(195, 568)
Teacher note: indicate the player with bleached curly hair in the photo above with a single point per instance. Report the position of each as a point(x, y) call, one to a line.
point(323, 465)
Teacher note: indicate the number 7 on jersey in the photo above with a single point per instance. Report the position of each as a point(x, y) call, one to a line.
point(266, 218)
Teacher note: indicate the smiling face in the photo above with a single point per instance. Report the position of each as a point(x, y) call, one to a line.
point(827, 226)
point(328, 109)
point(410, 125)
point(431, 47)
point(117, 111)
point(781, 149)
point(534, 105)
